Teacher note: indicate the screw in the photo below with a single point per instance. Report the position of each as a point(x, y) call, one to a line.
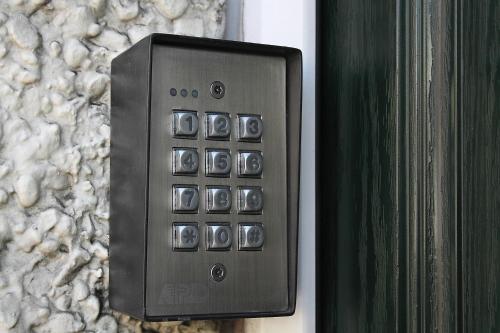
point(217, 89)
point(218, 272)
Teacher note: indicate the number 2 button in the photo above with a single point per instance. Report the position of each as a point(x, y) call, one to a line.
point(186, 198)
point(218, 126)
point(218, 162)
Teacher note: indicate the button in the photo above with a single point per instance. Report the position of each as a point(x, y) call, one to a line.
point(218, 162)
point(185, 161)
point(186, 198)
point(185, 123)
point(218, 126)
point(251, 236)
point(250, 163)
point(250, 128)
point(250, 199)
point(218, 199)
point(219, 237)
point(185, 236)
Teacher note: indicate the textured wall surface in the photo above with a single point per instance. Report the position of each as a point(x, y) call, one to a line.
point(54, 154)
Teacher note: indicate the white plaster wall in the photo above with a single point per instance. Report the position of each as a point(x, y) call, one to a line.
point(54, 154)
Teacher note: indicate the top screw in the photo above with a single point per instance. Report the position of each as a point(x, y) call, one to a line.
point(217, 89)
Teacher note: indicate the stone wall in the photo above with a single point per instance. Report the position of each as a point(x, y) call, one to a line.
point(54, 154)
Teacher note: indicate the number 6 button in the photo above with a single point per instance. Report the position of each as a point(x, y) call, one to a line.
point(185, 198)
point(218, 162)
point(250, 163)
point(218, 126)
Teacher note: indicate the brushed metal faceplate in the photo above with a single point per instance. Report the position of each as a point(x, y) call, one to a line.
point(179, 282)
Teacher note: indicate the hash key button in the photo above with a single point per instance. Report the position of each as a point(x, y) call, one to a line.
point(251, 236)
point(185, 236)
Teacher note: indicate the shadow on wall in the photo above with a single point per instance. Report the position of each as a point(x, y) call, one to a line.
point(54, 155)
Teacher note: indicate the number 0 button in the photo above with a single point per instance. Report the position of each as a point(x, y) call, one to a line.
point(186, 198)
point(185, 123)
point(219, 237)
point(185, 161)
point(218, 126)
point(250, 163)
point(218, 162)
point(250, 128)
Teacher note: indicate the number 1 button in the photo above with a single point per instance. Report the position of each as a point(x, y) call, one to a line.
point(218, 126)
point(185, 123)
point(218, 162)
point(186, 198)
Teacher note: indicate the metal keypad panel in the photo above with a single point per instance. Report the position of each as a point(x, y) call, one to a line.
point(218, 184)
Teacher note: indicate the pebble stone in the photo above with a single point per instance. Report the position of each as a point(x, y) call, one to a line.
point(54, 148)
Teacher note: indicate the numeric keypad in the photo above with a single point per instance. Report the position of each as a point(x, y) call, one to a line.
point(216, 199)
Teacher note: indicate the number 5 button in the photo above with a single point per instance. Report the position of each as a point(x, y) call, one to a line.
point(218, 126)
point(250, 163)
point(250, 128)
point(185, 198)
point(218, 162)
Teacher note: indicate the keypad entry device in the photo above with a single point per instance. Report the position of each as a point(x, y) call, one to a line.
point(204, 179)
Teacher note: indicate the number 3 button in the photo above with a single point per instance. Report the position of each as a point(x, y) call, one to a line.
point(218, 162)
point(218, 126)
point(250, 128)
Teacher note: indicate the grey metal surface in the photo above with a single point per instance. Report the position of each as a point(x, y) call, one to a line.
point(255, 281)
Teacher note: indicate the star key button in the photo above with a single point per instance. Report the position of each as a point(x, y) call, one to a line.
point(186, 236)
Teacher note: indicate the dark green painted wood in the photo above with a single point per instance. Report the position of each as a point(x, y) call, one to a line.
point(480, 176)
point(408, 166)
point(360, 252)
